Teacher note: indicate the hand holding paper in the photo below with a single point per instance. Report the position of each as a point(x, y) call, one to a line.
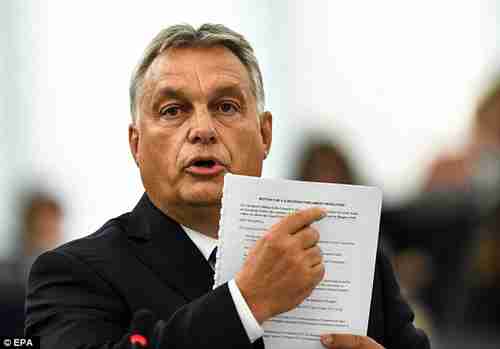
point(283, 267)
point(269, 241)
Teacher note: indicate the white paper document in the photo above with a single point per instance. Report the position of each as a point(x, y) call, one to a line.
point(348, 241)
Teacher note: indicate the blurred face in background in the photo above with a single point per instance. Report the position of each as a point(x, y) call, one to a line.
point(47, 226)
point(325, 163)
point(479, 158)
point(43, 225)
point(487, 127)
point(327, 168)
point(197, 121)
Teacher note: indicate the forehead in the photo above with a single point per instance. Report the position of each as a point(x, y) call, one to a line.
point(201, 65)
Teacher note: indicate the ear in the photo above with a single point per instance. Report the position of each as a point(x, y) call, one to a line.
point(266, 131)
point(133, 141)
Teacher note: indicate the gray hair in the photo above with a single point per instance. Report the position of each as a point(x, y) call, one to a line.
point(207, 35)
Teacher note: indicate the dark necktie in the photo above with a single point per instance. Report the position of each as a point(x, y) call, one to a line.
point(212, 259)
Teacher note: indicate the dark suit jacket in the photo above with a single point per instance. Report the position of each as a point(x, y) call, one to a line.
point(84, 293)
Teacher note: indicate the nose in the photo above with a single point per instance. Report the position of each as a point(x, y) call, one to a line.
point(202, 130)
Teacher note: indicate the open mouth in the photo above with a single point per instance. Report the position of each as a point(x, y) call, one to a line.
point(204, 163)
point(205, 167)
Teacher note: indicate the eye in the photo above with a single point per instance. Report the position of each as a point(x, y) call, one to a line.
point(171, 111)
point(227, 108)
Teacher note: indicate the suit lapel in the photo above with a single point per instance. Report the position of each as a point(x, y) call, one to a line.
point(162, 245)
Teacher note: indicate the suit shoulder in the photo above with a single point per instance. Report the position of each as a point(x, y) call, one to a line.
point(74, 279)
point(106, 241)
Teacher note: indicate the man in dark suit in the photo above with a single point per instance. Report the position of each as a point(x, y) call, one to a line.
point(197, 104)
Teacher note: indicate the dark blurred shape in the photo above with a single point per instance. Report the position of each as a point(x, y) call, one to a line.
point(482, 294)
point(414, 270)
point(327, 162)
point(456, 220)
point(41, 222)
point(440, 225)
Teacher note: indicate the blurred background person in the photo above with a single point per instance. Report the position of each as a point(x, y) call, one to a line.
point(456, 222)
point(481, 164)
point(41, 229)
point(473, 174)
point(445, 242)
point(324, 161)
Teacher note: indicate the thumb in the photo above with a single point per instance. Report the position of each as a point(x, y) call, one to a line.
point(348, 341)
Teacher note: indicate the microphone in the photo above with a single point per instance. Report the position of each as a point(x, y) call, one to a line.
point(140, 328)
point(159, 335)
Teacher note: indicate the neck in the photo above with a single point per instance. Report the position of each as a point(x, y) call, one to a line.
point(203, 219)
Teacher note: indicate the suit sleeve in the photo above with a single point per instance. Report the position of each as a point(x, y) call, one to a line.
point(210, 321)
point(400, 331)
point(70, 306)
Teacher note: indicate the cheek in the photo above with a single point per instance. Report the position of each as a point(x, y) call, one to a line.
point(159, 151)
point(246, 151)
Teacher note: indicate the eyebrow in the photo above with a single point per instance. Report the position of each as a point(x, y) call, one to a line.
point(166, 92)
point(229, 90)
point(169, 92)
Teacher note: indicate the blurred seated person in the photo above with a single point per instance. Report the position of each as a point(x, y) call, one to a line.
point(482, 162)
point(41, 229)
point(457, 221)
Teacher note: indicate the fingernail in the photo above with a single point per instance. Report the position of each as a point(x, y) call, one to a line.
point(327, 340)
point(324, 214)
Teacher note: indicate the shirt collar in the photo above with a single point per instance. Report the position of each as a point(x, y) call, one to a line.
point(205, 244)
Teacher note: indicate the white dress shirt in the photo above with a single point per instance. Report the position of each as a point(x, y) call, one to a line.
point(206, 245)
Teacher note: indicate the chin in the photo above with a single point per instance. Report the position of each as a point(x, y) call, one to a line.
point(207, 196)
point(204, 202)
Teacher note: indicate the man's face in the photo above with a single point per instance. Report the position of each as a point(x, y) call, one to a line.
point(197, 121)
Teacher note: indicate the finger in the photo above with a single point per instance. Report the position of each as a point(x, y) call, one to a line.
point(348, 341)
point(300, 219)
point(318, 272)
point(314, 256)
point(308, 237)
